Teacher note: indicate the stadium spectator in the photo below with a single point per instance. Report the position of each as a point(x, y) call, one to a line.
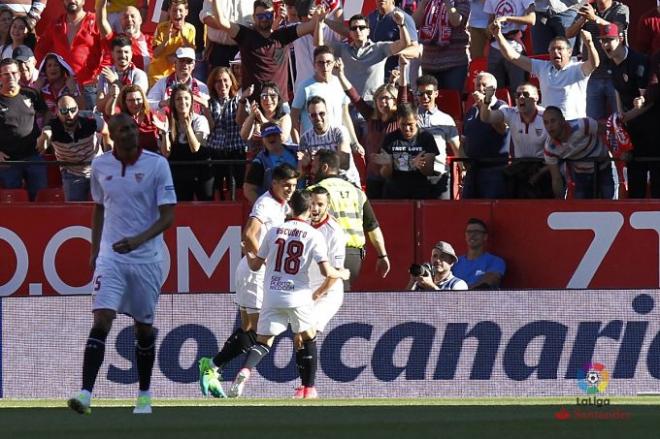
point(260, 174)
point(270, 108)
point(478, 268)
point(6, 16)
point(159, 94)
point(440, 125)
point(221, 48)
point(236, 66)
point(525, 179)
point(353, 212)
point(74, 139)
point(484, 144)
point(512, 17)
point(323, 135)
point(327, 86)
point(444, 36)
point(57, 79)
point(194, 10)
point(439, 277)
point(478, 28)
point(363, 60)
point(20, 34)
point(127, 252)
point(648, 31)
point(133, 102)
point(18, 130)
point(225, 140)
point(578, 143)
point(81, 49)
point(384, 27)
point(601, 99)
point(170, 36)
point(263, 50)
point(186, 141)
point(553, 17)
point(407, 158)
point(130, 25)
point(563, 82)
point(381, 120)
point(121, 73)
point(27, 65)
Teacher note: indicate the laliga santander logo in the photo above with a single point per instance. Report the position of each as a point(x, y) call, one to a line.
point(593, 378)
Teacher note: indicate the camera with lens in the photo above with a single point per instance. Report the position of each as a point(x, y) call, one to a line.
point(425, 269)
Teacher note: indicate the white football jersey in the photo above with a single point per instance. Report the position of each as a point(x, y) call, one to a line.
point(131, 194)
point(290, 250)
point(335, 240)
point(270, 211)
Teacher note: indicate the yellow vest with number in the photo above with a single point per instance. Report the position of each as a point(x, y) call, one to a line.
point(347, 205)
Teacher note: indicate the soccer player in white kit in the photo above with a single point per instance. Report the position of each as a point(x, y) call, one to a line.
point(288, 252)
point(134, 203)
point(269, 210)
point(325, 305)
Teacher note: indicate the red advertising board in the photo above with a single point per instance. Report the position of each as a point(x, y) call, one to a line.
point(45, 248)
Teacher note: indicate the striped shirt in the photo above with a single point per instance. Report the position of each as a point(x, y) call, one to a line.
point(331, 139)
point(226, 134)
point(582, 143)
point(81, 145)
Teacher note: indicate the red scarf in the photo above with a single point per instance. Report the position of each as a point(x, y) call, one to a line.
point(126, 75)
point(194, 88)
point(435, 29)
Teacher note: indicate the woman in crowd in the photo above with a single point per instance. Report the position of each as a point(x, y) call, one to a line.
point(56, 78)
point(6, 16)
point(269, 108)
point(225, 142)
point(20, 34)
point(132, 101)
point(186, 141)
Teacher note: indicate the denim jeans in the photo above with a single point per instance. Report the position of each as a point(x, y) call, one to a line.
point(480, 182)
point(555, 25)
point(35, 176)
point(451, 79)
point(601, 98)
point(76, 187)
point(606, 187)
point(507, 74)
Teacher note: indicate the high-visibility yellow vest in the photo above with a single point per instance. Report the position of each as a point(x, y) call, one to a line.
point(347, 205)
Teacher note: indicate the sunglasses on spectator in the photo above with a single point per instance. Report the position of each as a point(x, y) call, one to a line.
point(272, 96)
point(427, 93)
point(315, 115)
point(524, 94)
point(358, 27)
point(264, 16)
point(65, 111)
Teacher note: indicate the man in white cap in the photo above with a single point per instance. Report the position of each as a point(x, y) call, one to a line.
point(439, 277)
point(159, 94)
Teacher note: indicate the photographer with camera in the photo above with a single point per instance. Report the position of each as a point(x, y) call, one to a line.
point(437, 274)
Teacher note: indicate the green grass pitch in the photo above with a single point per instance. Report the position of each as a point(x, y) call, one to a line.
point(364, 418)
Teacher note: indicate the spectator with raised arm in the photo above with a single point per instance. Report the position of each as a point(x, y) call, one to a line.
point(601, 98)
point(563, 82)
point(269, 108)
point(220, 47)
point(553, 17)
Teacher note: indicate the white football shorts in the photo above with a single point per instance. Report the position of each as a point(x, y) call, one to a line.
point(325, 309)
point(249, 286)
point(274, 321)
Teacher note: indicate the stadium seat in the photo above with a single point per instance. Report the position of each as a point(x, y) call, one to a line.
point(13, 195)
point(476, 65)
point(449, 101)
point(50, 195)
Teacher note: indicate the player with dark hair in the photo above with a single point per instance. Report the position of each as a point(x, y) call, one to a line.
point(134, 204)
point(269, 210)
point(288, 251)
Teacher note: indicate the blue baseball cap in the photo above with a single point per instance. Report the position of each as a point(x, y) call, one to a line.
point(270, 130)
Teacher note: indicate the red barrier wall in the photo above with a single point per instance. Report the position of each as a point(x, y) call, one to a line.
point(599, 244)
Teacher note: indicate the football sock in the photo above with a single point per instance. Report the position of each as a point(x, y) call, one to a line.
point(238, 343)
point(145, 353)
point(309, 359)
point(93, 357)
point(257, 353)
point(299, 361)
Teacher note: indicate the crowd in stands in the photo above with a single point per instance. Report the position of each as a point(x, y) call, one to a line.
point(426, 99)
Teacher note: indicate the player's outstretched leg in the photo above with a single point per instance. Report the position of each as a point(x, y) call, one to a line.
point(309, 360)
point(209, 378)
point(92, 361)
point(145, 353)
point(256, 354)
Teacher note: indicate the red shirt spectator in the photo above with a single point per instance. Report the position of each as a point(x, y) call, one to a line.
point(648, 38)
point(83, 54)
